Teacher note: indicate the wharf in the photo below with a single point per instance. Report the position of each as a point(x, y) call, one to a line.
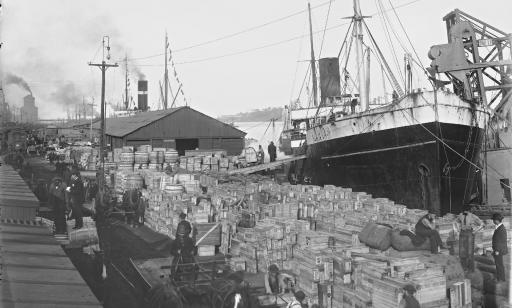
point(34, 270)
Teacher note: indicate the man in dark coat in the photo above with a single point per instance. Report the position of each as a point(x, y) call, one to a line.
point(499, 246)
point(76, 191)
point(272, 151)
point(57, 198)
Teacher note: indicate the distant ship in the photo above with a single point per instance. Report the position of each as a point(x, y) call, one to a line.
point(422, 149)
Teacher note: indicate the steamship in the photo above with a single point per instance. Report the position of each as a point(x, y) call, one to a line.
point(421, 149)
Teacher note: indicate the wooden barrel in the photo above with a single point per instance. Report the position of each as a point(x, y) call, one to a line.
point(127, 157)
point(134, 181)
point(127, 149)
point(141, 157)
point(153, 166)
point(144, 148)
point(171, 156)
point(156, 157)
point(84, 236)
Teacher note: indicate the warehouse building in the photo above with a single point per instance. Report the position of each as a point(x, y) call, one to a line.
point(181, 128)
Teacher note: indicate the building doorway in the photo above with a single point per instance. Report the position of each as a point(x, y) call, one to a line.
point(186, 144)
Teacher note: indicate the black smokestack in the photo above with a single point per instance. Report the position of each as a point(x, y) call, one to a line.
point(143, 95)
point(329, 79)
point(13, 79)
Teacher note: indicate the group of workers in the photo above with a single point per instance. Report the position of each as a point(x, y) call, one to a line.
point(66, 195)
point(272, 153)
point(467, 225)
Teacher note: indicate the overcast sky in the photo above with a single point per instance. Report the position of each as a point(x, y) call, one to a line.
point(49, 43)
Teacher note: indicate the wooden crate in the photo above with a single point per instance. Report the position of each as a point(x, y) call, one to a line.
point(213, 238)
point(206, 250)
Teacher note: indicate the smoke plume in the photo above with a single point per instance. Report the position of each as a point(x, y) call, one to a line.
point(13, 79)
point(67, 94)
point(138, 72)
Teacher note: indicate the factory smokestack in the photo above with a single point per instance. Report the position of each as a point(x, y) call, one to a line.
point(142, 103)
point(329, 80)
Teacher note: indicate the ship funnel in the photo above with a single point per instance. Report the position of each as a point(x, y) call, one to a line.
point(330, 89)
point(142, 103)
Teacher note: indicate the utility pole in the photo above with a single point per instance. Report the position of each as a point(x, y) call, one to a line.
point(313, 61)
point(103, 67)
point(166, 74)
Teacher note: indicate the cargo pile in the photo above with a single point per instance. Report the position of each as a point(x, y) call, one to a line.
point(344, 248)
point(129, 158)
point(336, 242)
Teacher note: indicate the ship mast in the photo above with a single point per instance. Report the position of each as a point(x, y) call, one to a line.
point(166, 75)
point(358, 27)
point(313, 61)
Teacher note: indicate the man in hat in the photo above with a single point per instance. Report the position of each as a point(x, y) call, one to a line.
point(499, 246)
point(409, 301)
point(426, 228)
point(182, 250)
point(272, 151)
point(57, 198)
point(185, 225)
point(277, 282)
point(76, 191)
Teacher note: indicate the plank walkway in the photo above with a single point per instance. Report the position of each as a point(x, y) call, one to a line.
point(272, 165)
point(34, 270)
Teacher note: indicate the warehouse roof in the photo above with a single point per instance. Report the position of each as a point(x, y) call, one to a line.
point(122, 126)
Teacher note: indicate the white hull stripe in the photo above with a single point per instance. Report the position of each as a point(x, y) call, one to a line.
point(412, 110)
point(381, 150)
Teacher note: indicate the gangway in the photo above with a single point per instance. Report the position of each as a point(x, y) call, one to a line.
point(262, 167)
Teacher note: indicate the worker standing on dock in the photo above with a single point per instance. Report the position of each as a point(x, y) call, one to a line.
point(499, 246)
point(426, 227)
point(182, 250)
point(272, 151)
point(57, 198)
point(185, 225)
point(260, 155)
point(467, 223)
point(76, 191)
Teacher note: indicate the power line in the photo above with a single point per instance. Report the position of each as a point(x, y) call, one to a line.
point(252, 28)
point(224, 37)
point(257, 48)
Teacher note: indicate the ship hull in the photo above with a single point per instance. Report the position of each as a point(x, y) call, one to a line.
point(419, 165)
